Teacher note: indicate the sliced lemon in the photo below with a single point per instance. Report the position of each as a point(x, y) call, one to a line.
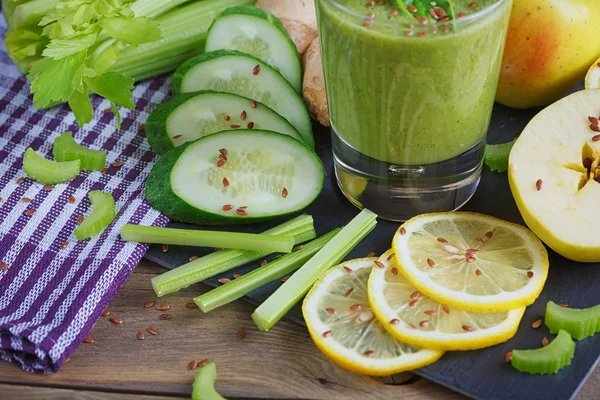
point(416, 319)
point(471, 261)
point(592, 79)
point(343, 327)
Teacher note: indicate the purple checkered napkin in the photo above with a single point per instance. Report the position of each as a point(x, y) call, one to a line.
point(51, 295)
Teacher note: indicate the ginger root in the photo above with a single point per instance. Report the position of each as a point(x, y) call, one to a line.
point(313, 84)
point(297, 16)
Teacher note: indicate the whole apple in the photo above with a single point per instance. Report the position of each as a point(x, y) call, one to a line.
point(550, 46)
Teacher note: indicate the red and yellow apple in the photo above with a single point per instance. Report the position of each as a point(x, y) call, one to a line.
point(550, 46)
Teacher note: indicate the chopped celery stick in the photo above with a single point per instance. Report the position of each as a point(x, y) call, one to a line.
point(546, 360)
point(496, 156)
point(102, 215)
point(225, 240)
point(579, 323)
point(300, 228)
point(261, 276)
point(292, 291)
point(204, 384)
point(49, 172)
point(67, 149)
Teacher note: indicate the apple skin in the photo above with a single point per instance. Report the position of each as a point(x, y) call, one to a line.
point(550, 46)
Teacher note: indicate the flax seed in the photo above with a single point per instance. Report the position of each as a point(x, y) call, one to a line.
point(538, 184)
point(29, 213)
point(243, 115)
point(348, 269)
point(3, 266)
point(141, 127)
point(117, 164)
point(263, 263)
point(536, 324)
point(88, 340)
point(192, 365)
point(71, 199)
point(202, 363)
point(424, 324)
point(297, 248)
point(64, 245)
point(105, 313)
point(79, 219)
point(256, 69)
point(220, 163)
point(545, 342)
point(467, 328)
point(26, 200)
point(177, 137)
point(563, 305)
point(508, 357)
point(478, 272)
point(116, 320)
point(224, 281)
point(152, 330)
point(369, 353)
point(473, 4)
point(370, 4)
point(165, 248)
point(412, 9)
point(379, 264)
point(191, 305)
point(412, 326)
point(48, 187)
point(349, 292)
point(442, 240)
point(355, 307)
point(330, 310)
point(594, 120)
point(461, 15)
point(241, 334)
point(253, 104)
point(446, 309)
point(149, 304)
point(529, 274)
point(236, 276)
point(391, 256)
point(225, 182)
point(104, 171)
point(479, 240)
point(597, 137)
point(402, 231)
point(395, 321)
point(430, 262)
point(413, 303)
point(285, 278)
point(20, 180)
point(327, 334)
point(250, 125)
point(371, 254)
point(193, 258)
point(415, 295)
point(284, 193)
point(241, 212)
point(227, 207)
point(163, 307)
point(395, 12)
point(165, 316)
point(106, 110)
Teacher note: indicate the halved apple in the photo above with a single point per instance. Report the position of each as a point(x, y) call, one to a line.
point(592, 79)
point(554, 175)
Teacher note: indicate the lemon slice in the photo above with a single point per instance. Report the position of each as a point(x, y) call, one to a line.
point(414, 318)
point(592, 79)
point(343, 327)
point(471, 261)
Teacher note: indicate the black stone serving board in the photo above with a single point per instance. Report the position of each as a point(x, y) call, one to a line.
point(481, 374)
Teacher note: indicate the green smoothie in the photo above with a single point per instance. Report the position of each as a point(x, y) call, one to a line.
point(406, 92)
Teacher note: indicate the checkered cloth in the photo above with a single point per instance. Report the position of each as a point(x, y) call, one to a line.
point(51, 295)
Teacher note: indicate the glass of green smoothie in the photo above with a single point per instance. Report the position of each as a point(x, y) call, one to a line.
point(410, 87)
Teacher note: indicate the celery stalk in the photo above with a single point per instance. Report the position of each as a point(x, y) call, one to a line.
point(184, 31)
point(188, 237)
point(30, 13)
point(292, 291)
point(153, 8)
point(261, 276)
point(300, 228)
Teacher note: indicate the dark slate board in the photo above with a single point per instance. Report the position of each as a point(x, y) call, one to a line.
point(479, 374)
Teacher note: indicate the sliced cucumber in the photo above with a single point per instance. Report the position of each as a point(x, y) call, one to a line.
point(579, 323)
point(235, 177)
point(260, 34)
point(67, 149)
point(546, 360)
point(204, 384)
point(230, 71)
point(190, 116)
point(103, 213)
point(49, 172)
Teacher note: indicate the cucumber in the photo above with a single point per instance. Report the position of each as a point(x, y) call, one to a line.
point(103, 213)
point(67, 149)
point(231, 71)
point(235, 177)
point(260, 34)
point(49, 172)
point(190, 116)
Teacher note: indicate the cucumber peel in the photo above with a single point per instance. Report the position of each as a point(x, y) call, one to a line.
point(230, 71)
point(67, 149)
point(49, 172)
point(579, 323)
point(103, 213)
point(497, 155)
point(266, 175)
point(546, 360)
point(190, 116)
point(204, 384)
point(256, 32)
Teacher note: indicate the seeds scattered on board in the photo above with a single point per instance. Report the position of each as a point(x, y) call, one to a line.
point(256, 70)
point(241, 334)
point(538, 184)
point(224, 281)
point(285, 278)
point(191, 305)
point(141, 335)
point(165, 316)
point(63, 245)
point(236, 276)
point(202, 363)
point(105, 313)
point(165, 248)
point(88, 340)
point(508, 357)
point(152, 330)
point(536, 324)
point(193, 258)
point(116, 320)
point(29, 213)
point(150, 304)
point(163, 307)
point(192, 365)
point(545, 342)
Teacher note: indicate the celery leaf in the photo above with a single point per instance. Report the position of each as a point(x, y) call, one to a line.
point(55, 80)
point(61, 48)
point(114, 87)
point(131, 30)
point(82, 107)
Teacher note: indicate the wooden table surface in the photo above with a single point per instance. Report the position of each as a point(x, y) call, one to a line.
point(281, 364)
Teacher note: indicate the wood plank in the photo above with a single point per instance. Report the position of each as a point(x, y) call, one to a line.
point(12, 392)
point(282, 363)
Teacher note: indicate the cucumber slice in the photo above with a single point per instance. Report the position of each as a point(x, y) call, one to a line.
point(235, 177)
point(103, 213)
point(190, 116)
point(49, 172)
point(204, 384)
point(260, 34)
point(230, 71)
point(579, 323)
point(67, 149)
point(546, 360)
